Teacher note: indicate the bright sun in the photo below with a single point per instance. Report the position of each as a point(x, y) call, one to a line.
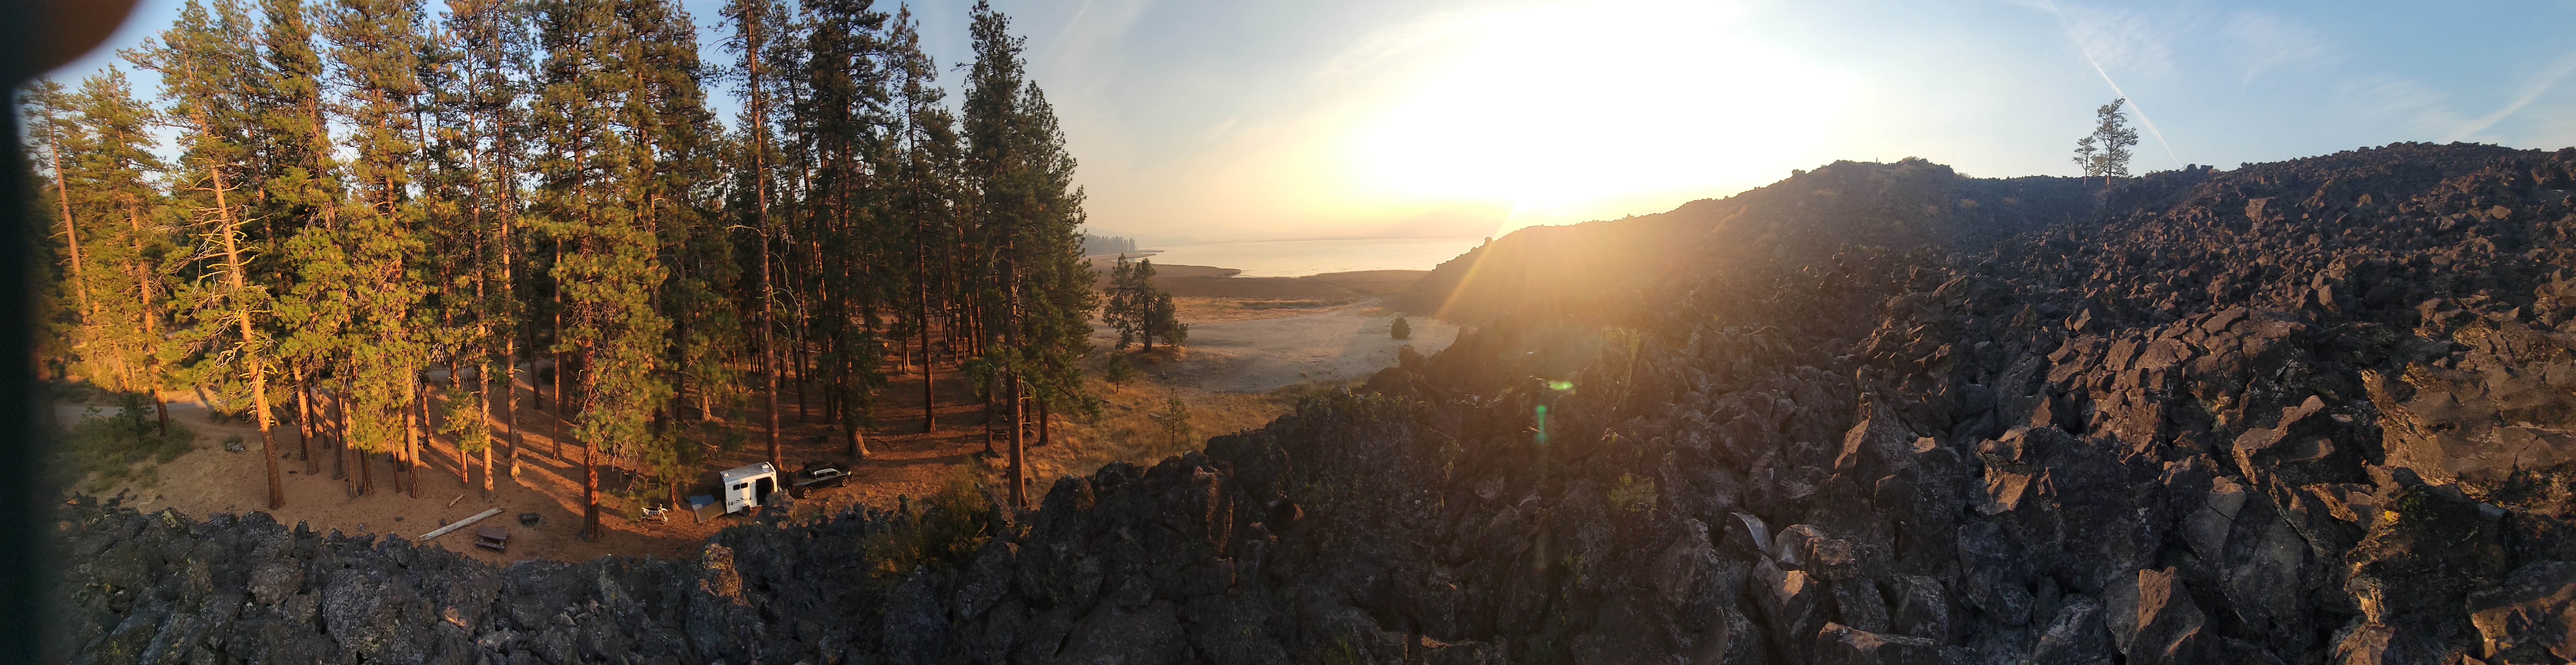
point(1562, 113)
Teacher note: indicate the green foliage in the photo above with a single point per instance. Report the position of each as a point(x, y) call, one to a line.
point(110, 449)
point(1174, 418)
point(1138, 310)
point(1121, 370)
point(1635, 494)
point(2105, 152)
point(1341, 652)
point(1165, 322)
point(1401, 329)
point(942, 531)
point(461, 418)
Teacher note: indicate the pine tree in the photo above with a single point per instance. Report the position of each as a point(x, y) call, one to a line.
point(758, 28)
point(927, 170)
point(592, 203)
point(2105, 152)
point(1139, 310)
point(1120, 310)
point(50, 122)
point(676, 140)
point(299, 202)
point(207, 67)
point(491, 40)
point(376, 50)
point(116, 211)
point(1164, 321)
point(1031, 215)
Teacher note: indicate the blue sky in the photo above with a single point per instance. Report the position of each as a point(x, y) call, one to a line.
point(1355, 118)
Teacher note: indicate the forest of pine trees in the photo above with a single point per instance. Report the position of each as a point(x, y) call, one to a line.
point(377, 219)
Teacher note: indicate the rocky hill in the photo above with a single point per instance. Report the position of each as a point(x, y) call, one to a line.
point(1588, 270)
point(2314, 411)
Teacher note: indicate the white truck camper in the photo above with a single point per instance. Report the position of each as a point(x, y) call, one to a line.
point(747, 487)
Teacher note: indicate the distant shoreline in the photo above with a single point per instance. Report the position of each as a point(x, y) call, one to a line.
point(1307, 258)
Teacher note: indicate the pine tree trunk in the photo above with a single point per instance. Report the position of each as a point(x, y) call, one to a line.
point(491, 437)
point(71, 236)
point(769, 365)
point(249, 349)
point(557, 426)
point(364, 481)
point(1045, 417)
point(1019, 481)
point(803, 413)
point(929, 379)
point(413, 424)
point(589, 493)
point(305, 428)
point(849, 424)
point(340, 443)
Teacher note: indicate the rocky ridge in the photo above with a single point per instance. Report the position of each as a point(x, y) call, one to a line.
point(2303, 412)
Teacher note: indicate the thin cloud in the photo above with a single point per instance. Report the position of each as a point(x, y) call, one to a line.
point(1391, 42)
point(2421, 107)
point(2265, 41)
point(2119, 38)
point(1068, 29)
point(2531, 90)
point(2125, 46)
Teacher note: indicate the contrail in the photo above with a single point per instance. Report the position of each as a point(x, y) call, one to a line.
point(1068, 29)
point(2115, 85)
point(2530, 90)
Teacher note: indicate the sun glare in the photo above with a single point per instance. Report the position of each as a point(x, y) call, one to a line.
point(1568, 114)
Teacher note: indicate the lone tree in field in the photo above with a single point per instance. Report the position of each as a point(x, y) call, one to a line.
point(1139, 311)
point(1401, 329)
point(2105, 152)
point(1165, 322)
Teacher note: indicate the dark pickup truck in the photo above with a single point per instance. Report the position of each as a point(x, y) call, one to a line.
point(817, 477)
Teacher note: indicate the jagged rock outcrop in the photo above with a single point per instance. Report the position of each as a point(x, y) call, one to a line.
point(2305, 412)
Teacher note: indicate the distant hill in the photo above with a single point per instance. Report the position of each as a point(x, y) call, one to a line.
point(1555, 270)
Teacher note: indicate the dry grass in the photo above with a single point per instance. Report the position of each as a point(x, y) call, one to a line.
point(1222, 310)
point(1131, 430)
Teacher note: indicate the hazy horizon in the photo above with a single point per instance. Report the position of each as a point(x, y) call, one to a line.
point(1453, 119)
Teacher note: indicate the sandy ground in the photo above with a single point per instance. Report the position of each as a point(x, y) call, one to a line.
point(902, 461)
point(1328, 344)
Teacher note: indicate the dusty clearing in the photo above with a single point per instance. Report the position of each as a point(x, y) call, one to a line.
point(1338, 343)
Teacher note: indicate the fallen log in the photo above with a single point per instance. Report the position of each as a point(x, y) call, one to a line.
point(459, 524)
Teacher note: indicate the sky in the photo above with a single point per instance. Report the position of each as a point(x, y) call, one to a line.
point(1199, 121)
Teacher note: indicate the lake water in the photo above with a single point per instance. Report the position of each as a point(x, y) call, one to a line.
point(1299, 258)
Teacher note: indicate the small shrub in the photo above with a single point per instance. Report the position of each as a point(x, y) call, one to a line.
point(1633, 494)
point(1175, 418)
point(1401, 329)
point(942, 531)
point(1121, 370)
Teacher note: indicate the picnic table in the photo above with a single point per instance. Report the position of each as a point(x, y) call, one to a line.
point(492, 538)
